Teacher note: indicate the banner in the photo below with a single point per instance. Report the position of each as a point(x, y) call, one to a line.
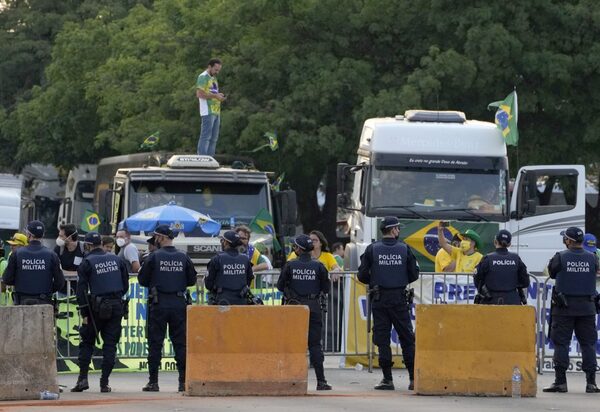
point(440, 289)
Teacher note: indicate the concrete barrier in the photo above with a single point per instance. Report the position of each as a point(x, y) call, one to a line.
point(472, 349)
point(246, 350)
point(27, 352)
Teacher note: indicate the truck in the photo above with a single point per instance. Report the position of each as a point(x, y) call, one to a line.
point(41, 196)
point(231, 195)
point(79, 196)
point(10, 204)
point(427, 166)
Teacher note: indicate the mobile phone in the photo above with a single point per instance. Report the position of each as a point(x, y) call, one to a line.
point(444, 224)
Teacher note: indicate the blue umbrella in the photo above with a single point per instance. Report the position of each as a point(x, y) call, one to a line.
point(177, 217)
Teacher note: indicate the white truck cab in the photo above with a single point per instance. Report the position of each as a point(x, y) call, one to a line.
point(428, 166)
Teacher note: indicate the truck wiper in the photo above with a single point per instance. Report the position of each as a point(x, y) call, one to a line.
point(469, 211)
point(407, 208)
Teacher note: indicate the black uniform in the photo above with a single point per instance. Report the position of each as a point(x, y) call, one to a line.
point(35, 272)
point(167, 272)
point(302, 280)
point(390, 266)
point(229, 274)
point(104, 276)
point(502, 273)
point(575, 274)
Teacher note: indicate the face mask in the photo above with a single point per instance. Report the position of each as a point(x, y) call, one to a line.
point(465, 245)
point(60, 242)
point(120, 242)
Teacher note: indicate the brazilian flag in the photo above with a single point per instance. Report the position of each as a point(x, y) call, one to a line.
point(90, 221)
point(273, 143)
point(506, 118)
point(263, 223)
point(151, 141)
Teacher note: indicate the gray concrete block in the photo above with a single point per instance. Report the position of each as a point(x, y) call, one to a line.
point(27, 352)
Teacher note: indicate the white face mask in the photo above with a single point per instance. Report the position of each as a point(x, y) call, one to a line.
point(60, 242)
point(121, 242)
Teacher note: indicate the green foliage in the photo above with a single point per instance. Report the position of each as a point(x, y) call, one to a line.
point(310, 70)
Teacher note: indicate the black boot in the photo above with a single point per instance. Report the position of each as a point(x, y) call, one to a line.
point(323, 386)
point(105, 388)
point(151, 387)
point(557, 387)
point(385, 385)
point(81, 385)
point(591, 387)
point(181, 387)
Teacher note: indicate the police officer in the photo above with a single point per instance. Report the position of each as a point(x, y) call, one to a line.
point(104, 275)
point(303, 281)
point(167, 273)
point(501, 275)
point(34, 270)
point(388, 266)
point(573, 309)
point(229, 273)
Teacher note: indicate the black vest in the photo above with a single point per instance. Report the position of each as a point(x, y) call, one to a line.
point(34, 270)
point(105, 274)
point(232, 272)
point(389, 265)
point(502, 276)
point(577, 276)
point(304, 277)
point(169, 274)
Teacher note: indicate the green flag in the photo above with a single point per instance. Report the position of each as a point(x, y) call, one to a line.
point(276, 186)
point(151, 141)
point(263, 223)
point(506, 118)
point(90, 221)
point(273, 143)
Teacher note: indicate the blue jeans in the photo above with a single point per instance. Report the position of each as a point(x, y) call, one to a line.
point(209, 134)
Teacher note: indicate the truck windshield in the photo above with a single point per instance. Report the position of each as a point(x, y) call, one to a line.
point(220, 200)
point(84, 196)
point(438, 193)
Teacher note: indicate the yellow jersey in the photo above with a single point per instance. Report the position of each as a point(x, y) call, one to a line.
point(442, 260)
point(465, 263)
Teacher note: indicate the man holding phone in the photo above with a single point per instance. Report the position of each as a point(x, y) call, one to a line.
point(209, 98)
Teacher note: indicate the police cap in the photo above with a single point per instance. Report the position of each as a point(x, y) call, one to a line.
point(164, 230)
point(36, 228)
point(389, 222)
point(93, 238)
point(304, 242)
point(573, 233)
point(232, 238)
point(504, 236)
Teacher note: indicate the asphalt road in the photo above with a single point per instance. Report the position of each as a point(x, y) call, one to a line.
point(352, 391)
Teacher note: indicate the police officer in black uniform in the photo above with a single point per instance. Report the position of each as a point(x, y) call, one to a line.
point(167, 273)
point(104, 276)
point(229, 273)
point(573, 309)
point(388, 266)
point(303, 281)
point(34, 270)
point(501, 275)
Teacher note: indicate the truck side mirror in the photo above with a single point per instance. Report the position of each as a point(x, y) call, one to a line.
point(342, 177)
point(286, 208)
point(530, 207)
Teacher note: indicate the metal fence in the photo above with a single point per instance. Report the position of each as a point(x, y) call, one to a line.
point(434, 288)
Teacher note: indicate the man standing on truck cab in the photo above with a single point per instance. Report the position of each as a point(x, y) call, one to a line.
point(209, 98)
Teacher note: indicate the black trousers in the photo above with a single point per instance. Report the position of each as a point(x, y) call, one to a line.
point(315, 327)
point(384, 317)
point(171, 313)
point(584, 327)
point(110, 331)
